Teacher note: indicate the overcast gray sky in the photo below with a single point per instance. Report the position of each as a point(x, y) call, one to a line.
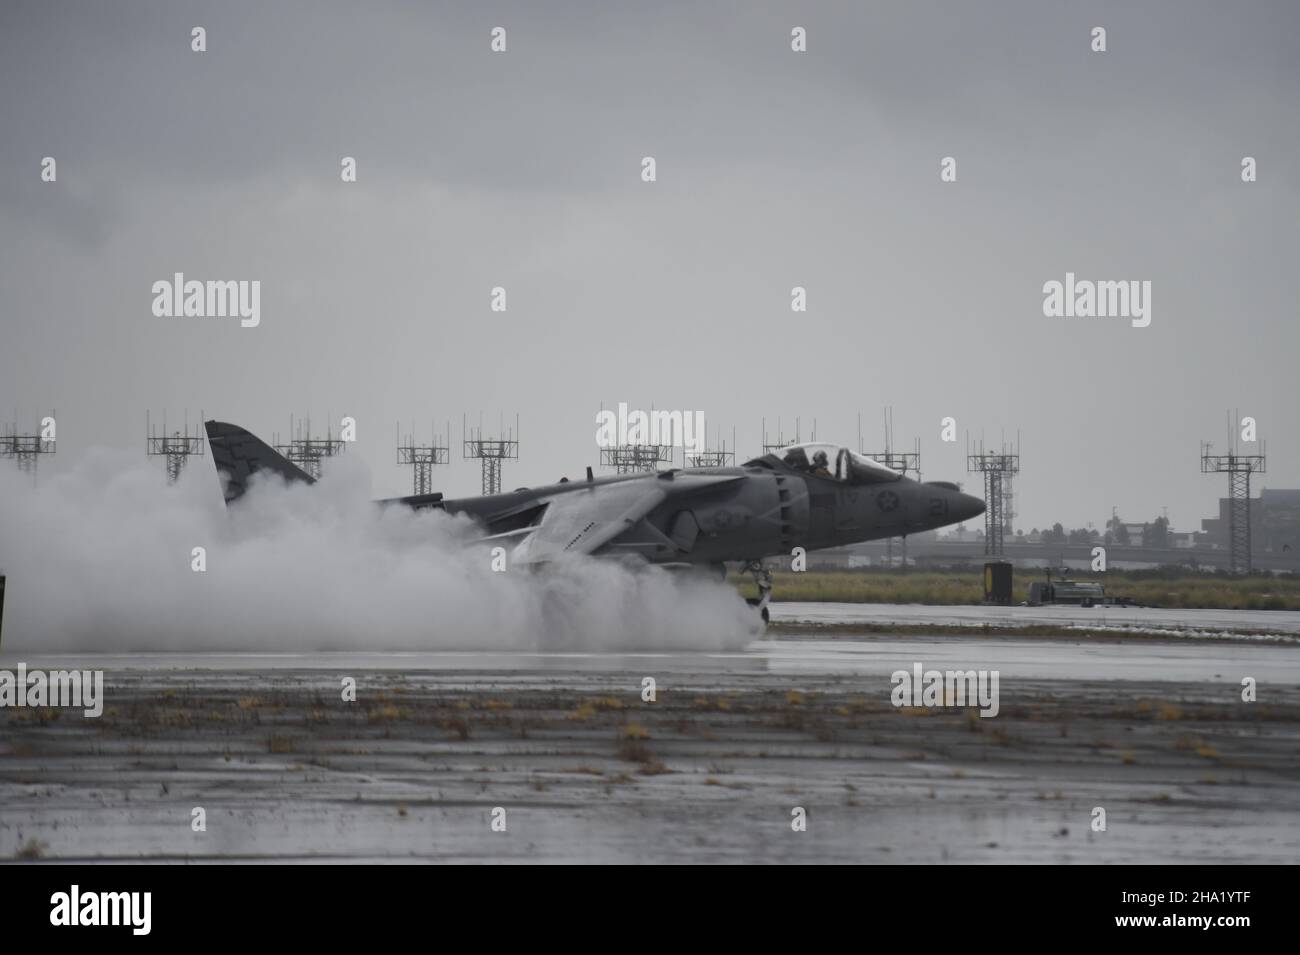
point(775, 169)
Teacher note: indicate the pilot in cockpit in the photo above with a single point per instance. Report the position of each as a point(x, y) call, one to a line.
point(821, 465)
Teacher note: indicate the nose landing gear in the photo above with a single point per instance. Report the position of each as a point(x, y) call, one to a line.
point(763, 580)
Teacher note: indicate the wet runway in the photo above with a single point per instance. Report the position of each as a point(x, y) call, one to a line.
point(581, 767)
point(1232, 621)
point(869, 655)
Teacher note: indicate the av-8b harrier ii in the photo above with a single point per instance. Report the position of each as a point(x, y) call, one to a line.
point(810, 496)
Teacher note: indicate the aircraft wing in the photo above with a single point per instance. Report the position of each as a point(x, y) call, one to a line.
point(580, 522)
point(583, 521)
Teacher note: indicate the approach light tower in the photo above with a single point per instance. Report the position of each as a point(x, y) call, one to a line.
point(781, 442)
point(995, 466)
point(900, 461)
point(26, 449)
point(491, 451)
point(1008, 504)
point(306, 451)
point(718, 457)
point(176, 448)
point(1239, 468)
point(422, 458)
point(636, 458)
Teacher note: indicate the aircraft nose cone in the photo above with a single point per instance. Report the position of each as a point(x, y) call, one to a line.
point(967, 507)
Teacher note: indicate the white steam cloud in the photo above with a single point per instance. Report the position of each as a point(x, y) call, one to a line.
point(99, 559)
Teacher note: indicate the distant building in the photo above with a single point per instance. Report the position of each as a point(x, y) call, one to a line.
point(1274, 522)
point(1136, 534)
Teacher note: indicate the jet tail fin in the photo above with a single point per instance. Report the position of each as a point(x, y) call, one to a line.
point(241, 454)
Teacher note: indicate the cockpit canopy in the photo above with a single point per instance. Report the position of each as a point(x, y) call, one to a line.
point(836, 463)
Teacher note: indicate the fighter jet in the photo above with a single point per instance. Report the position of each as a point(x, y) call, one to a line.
point(811, 496)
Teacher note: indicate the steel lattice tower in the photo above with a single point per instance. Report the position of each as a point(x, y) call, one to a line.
point(308, 452)
point(996, 467)
point(422, 458)
point(25, 449)
point(1239, 468)
point(900, 461)
point(490, 452)
point(711, 457)
point(781, 443)
point(1008, 504)
point(994, 528)
point(635, 458)
point(176, 448)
